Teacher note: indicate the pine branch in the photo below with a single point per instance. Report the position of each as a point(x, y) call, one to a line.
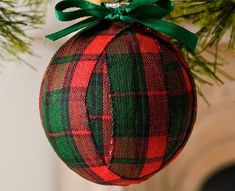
point(214, 19)
point(15, 18)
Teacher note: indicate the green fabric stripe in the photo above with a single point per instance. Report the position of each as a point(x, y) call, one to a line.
point(44, 113)
point(66, 150)
point(76, 158)
point(45, 99)
point(127, 74)
point(44, 102)
point(57, 111)
point(178, 111)
point(170, 66)
point(66, 59)
point(94, 102)
point(177, 114)
point(53, 110)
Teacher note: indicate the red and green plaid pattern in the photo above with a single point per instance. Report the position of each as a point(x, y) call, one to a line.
point(117, 103)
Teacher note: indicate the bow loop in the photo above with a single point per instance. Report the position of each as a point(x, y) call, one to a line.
point(145, 12)
point(116, 14)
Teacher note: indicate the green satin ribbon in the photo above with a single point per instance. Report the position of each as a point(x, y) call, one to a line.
point(146, 12)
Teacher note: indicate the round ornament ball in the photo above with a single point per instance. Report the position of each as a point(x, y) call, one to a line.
point(117, 103)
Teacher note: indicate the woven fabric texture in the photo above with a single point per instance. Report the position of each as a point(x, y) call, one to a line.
point(117, 103)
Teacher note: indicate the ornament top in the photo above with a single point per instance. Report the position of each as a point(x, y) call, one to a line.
point(134, 12)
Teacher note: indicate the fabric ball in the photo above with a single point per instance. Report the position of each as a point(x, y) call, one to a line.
point(117, 103)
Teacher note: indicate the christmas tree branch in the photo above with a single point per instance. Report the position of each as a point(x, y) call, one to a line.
point(214, 19)
point(15, 18)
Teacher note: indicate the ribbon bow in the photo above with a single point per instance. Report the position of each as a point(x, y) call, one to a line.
point(146, 12)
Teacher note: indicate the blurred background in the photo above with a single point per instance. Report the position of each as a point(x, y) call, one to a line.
point(28, 162)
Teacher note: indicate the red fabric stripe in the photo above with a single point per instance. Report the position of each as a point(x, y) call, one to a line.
point(156, 145)
point(98, 44)
point(105, 173)
point(87, 174)
point(127, 182)
point(51, 76)
point(82, 73)
point(151, 167)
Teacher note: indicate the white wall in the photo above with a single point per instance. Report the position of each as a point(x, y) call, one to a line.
point(27, 161)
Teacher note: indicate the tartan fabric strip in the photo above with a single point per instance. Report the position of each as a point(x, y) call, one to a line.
point(191, 106)
point(95, 105)
point(81, 78)
point(117, 103)
point(99, 111)
point(54, 103)
point(179, 94)
point(158, 110)
point(130, 112)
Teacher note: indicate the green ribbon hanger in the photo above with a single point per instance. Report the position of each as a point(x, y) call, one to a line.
point(146, 12)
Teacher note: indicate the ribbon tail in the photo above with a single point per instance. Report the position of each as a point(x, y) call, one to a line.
point(82, 24)
point(183, 36)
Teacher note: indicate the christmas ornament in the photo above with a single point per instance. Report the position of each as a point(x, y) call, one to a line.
point(117, 101)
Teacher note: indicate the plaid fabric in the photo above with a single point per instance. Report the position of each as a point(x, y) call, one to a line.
point(117, 103)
